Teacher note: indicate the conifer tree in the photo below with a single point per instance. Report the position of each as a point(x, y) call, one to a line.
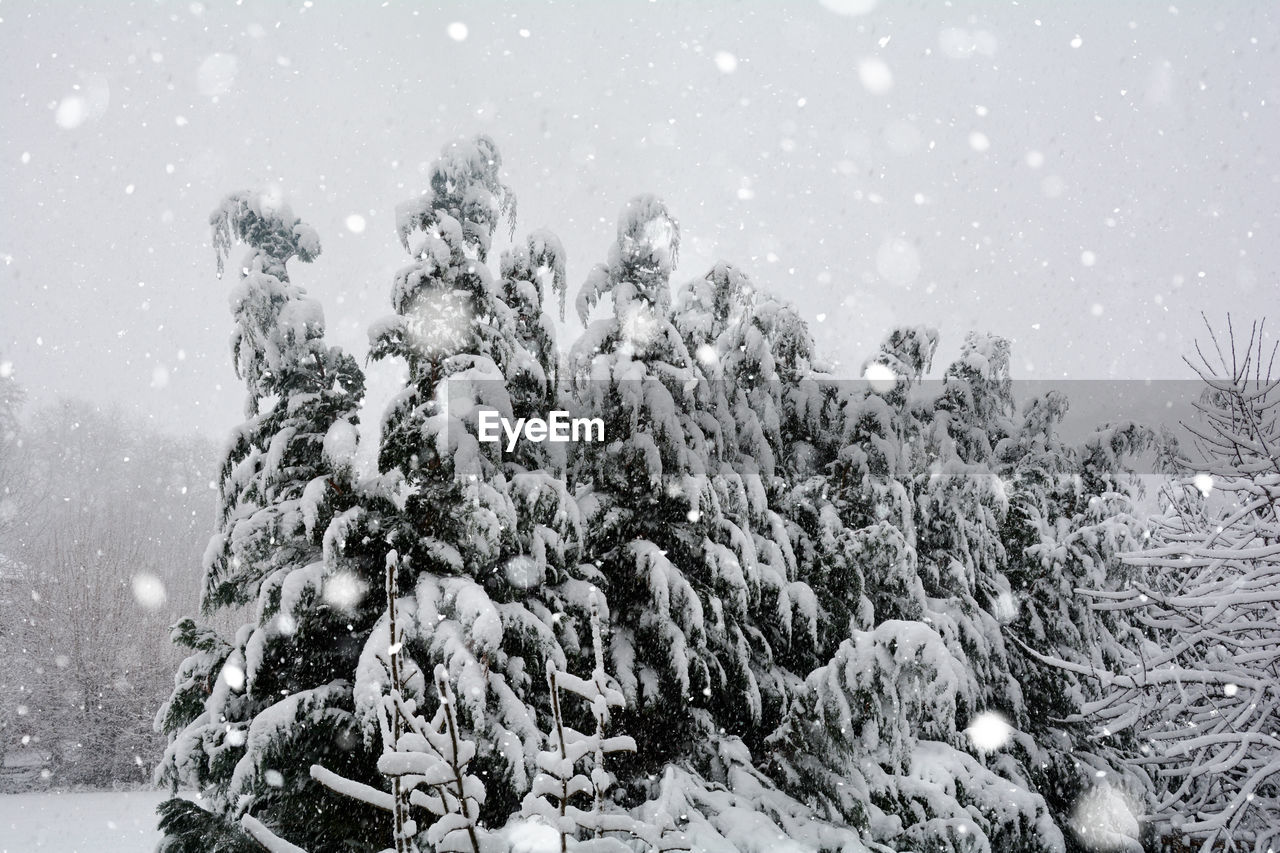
point(668, 514)
point(750, 349)
point(910, 516)
point(487, 542)
point(247, 713)
point(1071, 521)
point(704, 590)
point(810, 592)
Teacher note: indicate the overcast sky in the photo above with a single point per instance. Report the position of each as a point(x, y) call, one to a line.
point(1082, 178)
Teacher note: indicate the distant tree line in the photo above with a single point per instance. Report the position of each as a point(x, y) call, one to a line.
point(101, 519)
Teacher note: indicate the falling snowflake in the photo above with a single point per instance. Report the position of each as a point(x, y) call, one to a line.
point(71, 112)
point(344, 591)
point(875, 76)
point(149, 591)
point(217, 74)
point(233, 675)
point(881, 377)
point(159, 376)
point(989, 731)
point(1104, 819)
point(524, 572)
point(897, 261)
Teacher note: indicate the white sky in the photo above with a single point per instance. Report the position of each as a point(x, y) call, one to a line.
point(1082, 178)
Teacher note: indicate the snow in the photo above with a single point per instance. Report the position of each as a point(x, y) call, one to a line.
point(726, 62)
point(88, 822)
point(149, 591)
point(340, 445)
point(355, 790)
point(852, 8)
point(233, 675)
point(71, 112)
point(344, 590)
point(531, 836)
point(898, 261)
point(524, 572)
point(875, 76)
point(217, 74)
point(1105, 820)
point(881, 377)
point(989, 731)
point(269, 840)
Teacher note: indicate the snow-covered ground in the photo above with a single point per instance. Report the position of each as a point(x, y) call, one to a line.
point(91, 822)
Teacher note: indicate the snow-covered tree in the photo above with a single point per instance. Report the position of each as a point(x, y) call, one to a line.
point(301, 392)
point(1201, 691)
point(427, 762)
point(250, 713)
point(487, 541)
point(668, 512)
point(528, 272)
point(570, 800)
point(804, 588)
point(896, 517)
point(1071, 519)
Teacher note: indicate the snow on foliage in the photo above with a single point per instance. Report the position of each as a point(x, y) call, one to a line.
point(1198, 687)
point(834, 615)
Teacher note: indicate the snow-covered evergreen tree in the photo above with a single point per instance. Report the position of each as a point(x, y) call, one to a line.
point(248, 714)
point(299, 389)
point(902, 543)
point(750, 349)
point(803, 587)
point(1071, 520)
point(487, 541)
point(528, 272)
point(668, 514)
